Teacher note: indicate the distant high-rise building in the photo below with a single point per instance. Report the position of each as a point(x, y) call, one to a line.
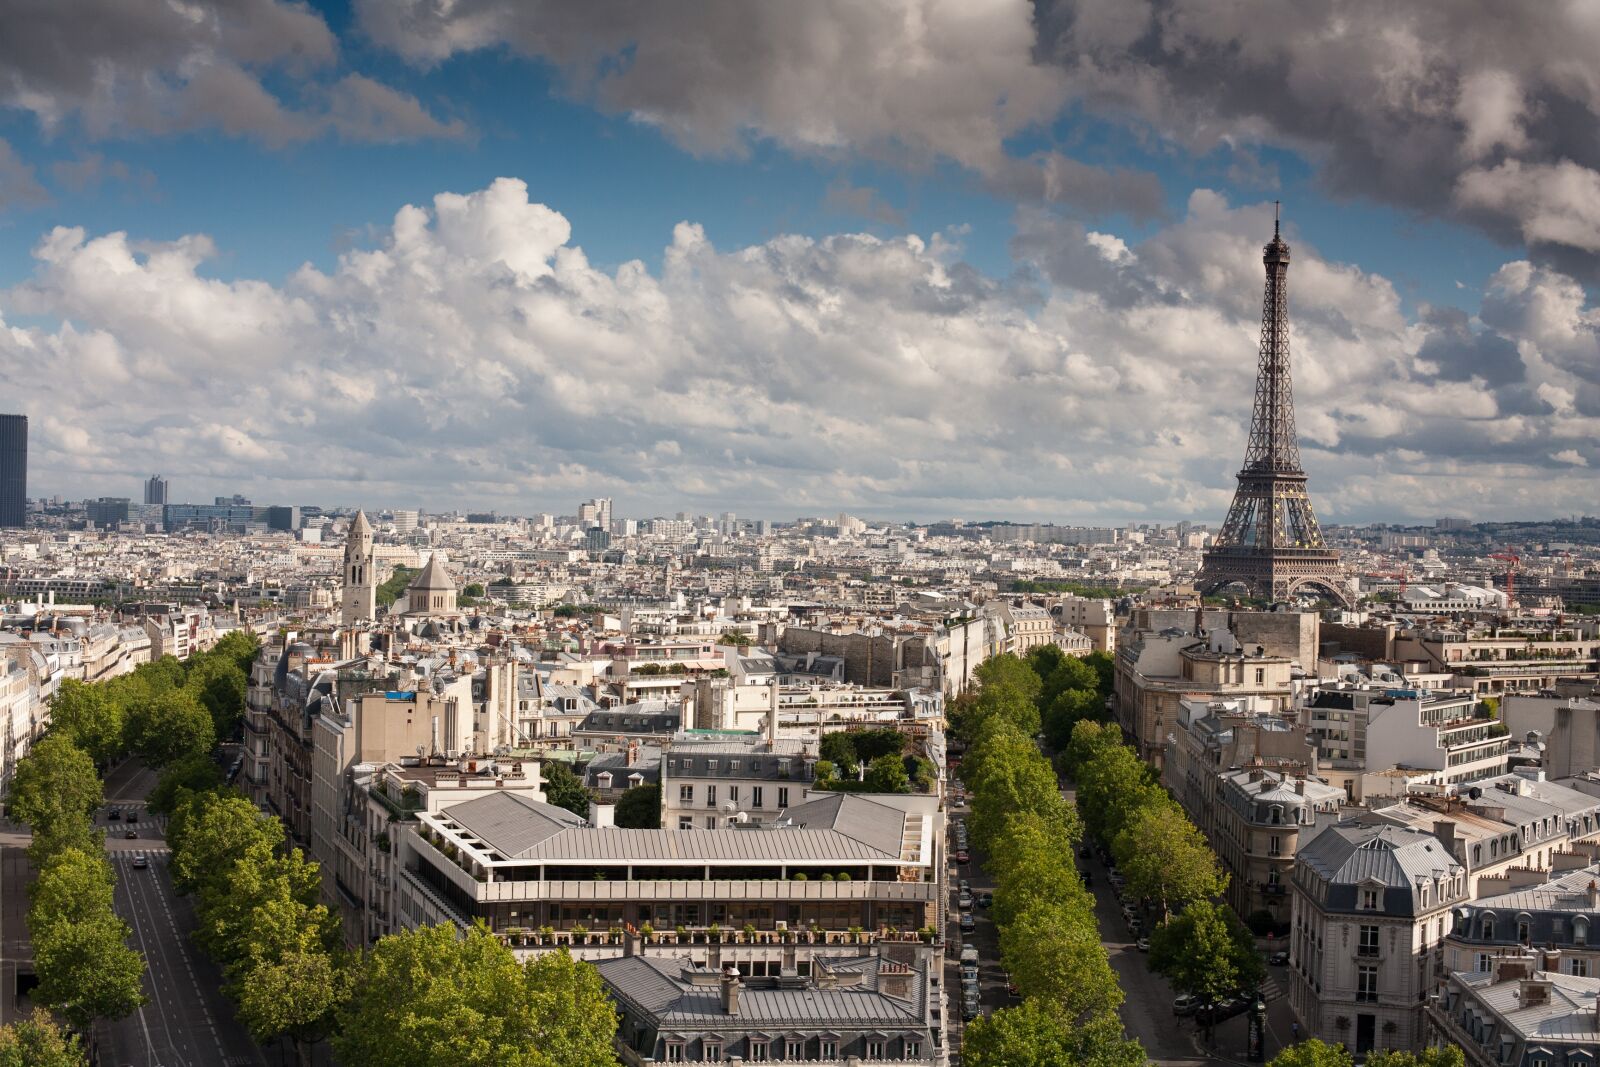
point(13, 470)
point(236, 500)
point(596, 512)
point(405, 522)
point(155, 490)
point(107, 511)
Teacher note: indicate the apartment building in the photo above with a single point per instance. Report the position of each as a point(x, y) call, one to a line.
point(1027, 626)
point(1374, 726)
point(881, 1005)
point(1157, 671)
point(709, 781)
point(1370, 903)
point(1517, 1015)
point(1556, 918)
point(1094, 617)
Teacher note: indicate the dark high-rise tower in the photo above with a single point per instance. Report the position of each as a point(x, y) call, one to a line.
point(13, 470)
point(1271, 543)
point(155, 490)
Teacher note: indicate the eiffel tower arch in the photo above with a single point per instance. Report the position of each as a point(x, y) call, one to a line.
point(1270, 543)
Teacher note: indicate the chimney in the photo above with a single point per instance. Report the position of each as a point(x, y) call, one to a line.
point(772, 716)
point(1534, 993)
point(730, 991)
point(1300, 786)
point(602, 815)
point(1594, 893)
point(1255, 774)
point(1445, 831)
point(633, 753)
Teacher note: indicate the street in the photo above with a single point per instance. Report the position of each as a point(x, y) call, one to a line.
point(1168, 1039)
point(187, 1021)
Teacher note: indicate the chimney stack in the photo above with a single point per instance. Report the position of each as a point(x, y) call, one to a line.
point(1445, 831)
point(730, 991)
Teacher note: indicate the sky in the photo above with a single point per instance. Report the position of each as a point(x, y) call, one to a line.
point(919, 259)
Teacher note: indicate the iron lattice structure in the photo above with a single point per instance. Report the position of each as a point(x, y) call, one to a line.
point(1271, 543)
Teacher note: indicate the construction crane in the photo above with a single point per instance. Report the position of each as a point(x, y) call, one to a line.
point(1511, 573)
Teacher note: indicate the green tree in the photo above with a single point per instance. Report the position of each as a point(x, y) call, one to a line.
point(387, 593)
point(887, 774)
point(1031, 859)
point(1054, 952)
point(1433, 1056)
point(1033, 1034)
point(90, 718)
point(839, 748)
point(1006, 670)
point(87, 971)
point(55, 790)
point(38, 1042)
point(1068, 708)
point(209, 831)
point(563, 788)
point(734, 638)
point(1312, 1053)
point(289, 979)
point(219, 685)
point(871, 744)
point(1104, 666)
point(73, 887)
point(195, 773)
point(639, 808)
point(1206, 951)
point(473, 589)
point(241, 647)
point(428, 997)
point(171, 726)
point(1165, 858)
point(233, 915)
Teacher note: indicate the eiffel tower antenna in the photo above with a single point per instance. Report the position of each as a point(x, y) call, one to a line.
point(1271, 543)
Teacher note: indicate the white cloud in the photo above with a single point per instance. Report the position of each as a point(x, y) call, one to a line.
point(474, 356)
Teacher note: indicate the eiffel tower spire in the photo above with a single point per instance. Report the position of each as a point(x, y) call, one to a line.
point(1271, 543)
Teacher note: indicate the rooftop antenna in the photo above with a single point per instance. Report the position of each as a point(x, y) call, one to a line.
point(1276, 204)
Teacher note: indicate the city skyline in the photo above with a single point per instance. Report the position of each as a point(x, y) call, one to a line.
point(575, 263)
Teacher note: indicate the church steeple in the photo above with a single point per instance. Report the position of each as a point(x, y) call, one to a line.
point(360, 602)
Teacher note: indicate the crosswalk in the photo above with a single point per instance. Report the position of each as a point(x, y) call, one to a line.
point(1271, 990)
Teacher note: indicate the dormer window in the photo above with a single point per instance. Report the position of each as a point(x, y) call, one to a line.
point(1369, 900)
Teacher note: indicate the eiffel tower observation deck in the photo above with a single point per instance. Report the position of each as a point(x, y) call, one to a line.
point(1271, 545)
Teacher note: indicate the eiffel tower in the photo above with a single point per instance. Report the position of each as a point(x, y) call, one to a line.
point(1271, 543)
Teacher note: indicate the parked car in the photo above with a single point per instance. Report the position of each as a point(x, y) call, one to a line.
point(968, 924)
point(964, 900)
point(1136, 927)
point(1279, 958)
point(969, 1006)
point(1143, 944)
point(963, 857)
point(1011, 987)
point(1227, 1008)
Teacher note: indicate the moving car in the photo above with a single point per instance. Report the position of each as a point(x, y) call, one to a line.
point(1186, 1004)
point(985, 899)
point(114, 815)
point(131, 833)
point(140, 861)
point(1279, 958)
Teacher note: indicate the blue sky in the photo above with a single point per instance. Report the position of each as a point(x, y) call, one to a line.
point(310, 127)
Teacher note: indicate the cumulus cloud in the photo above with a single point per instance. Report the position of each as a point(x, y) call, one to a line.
point(1470, 109)
point(904, 80)
point(474, 356)
point(119, 68)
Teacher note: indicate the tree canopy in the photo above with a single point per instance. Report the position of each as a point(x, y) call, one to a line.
point(1206, 951)
point(639, 808)
point(1033, 1034)
point(56, 791)
point(564, 789)
point(427, 996)
point(38, 1042)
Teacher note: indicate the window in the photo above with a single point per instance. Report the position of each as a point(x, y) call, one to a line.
point(1369, 900)
point(686, 822)
point(1274, 843)
point(713, 1051)
point(1488, 928)
point(733, 794)
point(1261, 676)
point(755, 796)
point(733, 765)
point(830, 1050)
point(674, 1052)
point(686, 794)
point(711, 822)
point(1580, 931)
point(875, 1050)
point(1580, 967)
point(758, 1051)
point(912, 1048)
point(1368, 945)
point(783, 796)
point(1367, 983)
point(711, 796)
point(1522, 931)
point(603, 779)
point(793, 1050)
